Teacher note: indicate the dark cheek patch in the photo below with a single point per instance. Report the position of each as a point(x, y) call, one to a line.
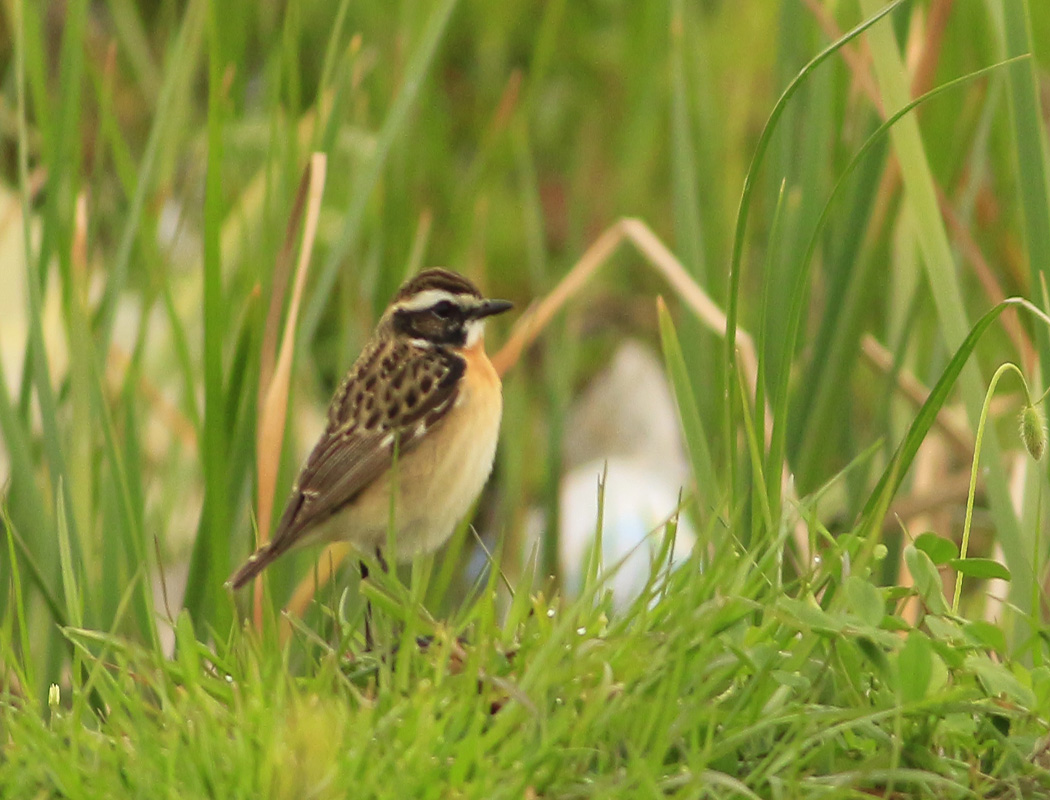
point(432, 328)
point(429, 328)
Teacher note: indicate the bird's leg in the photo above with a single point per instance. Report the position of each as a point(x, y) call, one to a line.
point(368, 612)
point(368, 603)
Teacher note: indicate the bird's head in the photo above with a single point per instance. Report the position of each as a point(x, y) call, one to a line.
point(441, 308)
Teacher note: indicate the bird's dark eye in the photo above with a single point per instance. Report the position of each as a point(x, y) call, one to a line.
point(444, 309)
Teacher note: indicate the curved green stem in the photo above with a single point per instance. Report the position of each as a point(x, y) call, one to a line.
point(976, 462)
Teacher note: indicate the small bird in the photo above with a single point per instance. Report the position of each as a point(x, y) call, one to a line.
point(417, 415)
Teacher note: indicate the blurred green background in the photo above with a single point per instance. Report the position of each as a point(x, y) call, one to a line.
point(150, 155)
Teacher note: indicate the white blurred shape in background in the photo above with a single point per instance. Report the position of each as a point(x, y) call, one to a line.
point(626, 425)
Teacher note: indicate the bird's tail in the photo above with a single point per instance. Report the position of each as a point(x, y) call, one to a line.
point(256, 563)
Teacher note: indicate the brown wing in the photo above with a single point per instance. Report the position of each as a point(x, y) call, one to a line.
point(394, 393)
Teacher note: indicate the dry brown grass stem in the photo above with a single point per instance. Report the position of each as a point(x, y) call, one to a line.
point(855, 55)
point(662, 260)
point(950, 489)
point(989, 282)
point(279, 288)
point(273, 410)
point(330, 559)
point(954, 426)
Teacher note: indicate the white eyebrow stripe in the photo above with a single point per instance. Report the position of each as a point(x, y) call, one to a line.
point(431, 297)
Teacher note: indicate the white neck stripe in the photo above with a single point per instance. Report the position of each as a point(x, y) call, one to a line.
point(475, 330)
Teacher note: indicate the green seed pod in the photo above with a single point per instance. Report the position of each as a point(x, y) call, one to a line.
point(1033, 431)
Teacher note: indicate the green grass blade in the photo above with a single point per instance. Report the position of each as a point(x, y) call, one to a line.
point(70, 581)
point(40, 370)
point(135, 41)
point(689, 232)
point(893, 475)
point(416, 71)
point(1029, 136)
point(948, 296)
point(800, 289)
point(736, 260)
point(202, 594)
point(24, 500)
point(177, 75)
point(36, 575)
point(1029, 131)
point(708, 487)
point(19, 613)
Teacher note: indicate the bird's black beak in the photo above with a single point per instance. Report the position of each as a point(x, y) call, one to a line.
point(488, 308)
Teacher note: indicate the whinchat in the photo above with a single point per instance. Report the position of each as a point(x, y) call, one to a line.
point(411, 430)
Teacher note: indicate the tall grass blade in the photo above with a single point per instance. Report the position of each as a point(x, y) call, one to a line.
point(395, 121)
point(178, 74)
point(70, 581)
point(940, 269)
point(215, 517)
point(736, 260)
point(801, 287)
point(1029, 135)
point(23, 498)
point(37, 361)
point(895, 471)
point(19, 612)
point(709, 489)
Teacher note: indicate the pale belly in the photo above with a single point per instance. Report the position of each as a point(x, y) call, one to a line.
point(436, 483)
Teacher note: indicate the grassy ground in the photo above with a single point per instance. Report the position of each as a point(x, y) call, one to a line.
point(816, 643)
